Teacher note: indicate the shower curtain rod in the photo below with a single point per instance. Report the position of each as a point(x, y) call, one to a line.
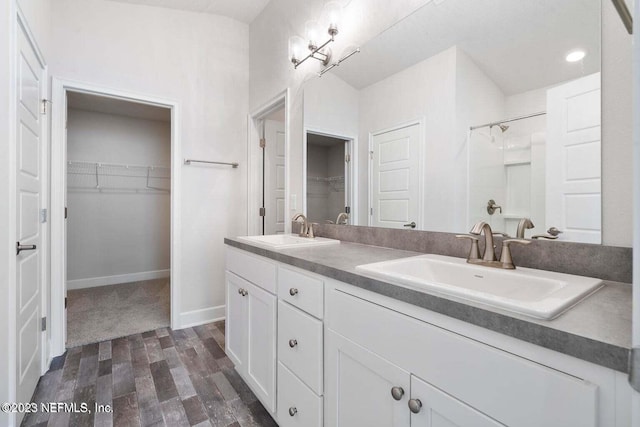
point(541, 113)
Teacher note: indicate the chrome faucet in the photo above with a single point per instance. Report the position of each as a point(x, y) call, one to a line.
point(342, 218)
point(306, 229)
point(489, 256)
point(524, 224)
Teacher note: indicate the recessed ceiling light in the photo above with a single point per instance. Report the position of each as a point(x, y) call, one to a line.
point(575, 55)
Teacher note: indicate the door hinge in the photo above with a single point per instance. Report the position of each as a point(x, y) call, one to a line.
point(43, 324)
point(371, 212)
point(347, 209)
point(65, 302)
point(65, 212)
point(263, 142)
point(43, 215)
point(371, 154)
point(263, 211)
point(43, 108)
point(347, 158)
point(634, 368)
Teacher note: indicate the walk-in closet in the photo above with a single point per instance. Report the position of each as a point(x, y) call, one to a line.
point(118, 218)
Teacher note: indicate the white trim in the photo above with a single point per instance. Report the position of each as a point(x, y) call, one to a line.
point(352, 142)
point(421, 169)
point(636, 199)
point(254, 180)
point(58, 185)
point(189, 319)
point(92, 282)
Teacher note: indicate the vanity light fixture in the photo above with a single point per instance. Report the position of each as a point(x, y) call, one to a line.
point(575, 55)
point(313, 33)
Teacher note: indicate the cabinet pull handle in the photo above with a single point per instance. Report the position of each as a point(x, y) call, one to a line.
point(293, 343)
point(293, 410)
point(415, 405)
point(293, 292)
point(397, 392)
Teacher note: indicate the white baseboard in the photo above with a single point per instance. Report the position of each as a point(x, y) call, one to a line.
point(200, 317)
point(92, 282)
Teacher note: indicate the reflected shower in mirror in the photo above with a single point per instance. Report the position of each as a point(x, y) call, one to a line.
point(468, 112)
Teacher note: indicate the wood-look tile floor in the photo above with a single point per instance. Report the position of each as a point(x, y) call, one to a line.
point(157, 378)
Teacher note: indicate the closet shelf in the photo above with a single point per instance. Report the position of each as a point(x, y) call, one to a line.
point(118, 177)
point(325, 179)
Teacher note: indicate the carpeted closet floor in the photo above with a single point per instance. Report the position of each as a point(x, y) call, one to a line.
point(107, 312)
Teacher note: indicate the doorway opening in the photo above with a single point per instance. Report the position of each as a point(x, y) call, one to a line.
point(115, 174)
point(118, 188)
point(328, 179)
point(268, 169)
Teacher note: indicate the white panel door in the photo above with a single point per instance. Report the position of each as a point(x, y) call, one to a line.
point(274, 177)
point(573, 160)
point(236, 324)
point(29, 338)
point(439, 409)
point(358, 387)
point(261, 345)
point(395, 175)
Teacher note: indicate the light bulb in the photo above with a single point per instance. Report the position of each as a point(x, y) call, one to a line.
point(332, 13)
point(312, 31)
point(575, 55)
point(296, 49)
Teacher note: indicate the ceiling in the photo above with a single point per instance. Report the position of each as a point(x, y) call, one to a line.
point(240, 10)
point(118, 107)
point(520, 45)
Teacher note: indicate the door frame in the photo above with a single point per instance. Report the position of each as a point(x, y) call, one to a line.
point(254, 161)
point(421, 169)
point(352, 142)
point(60, 87)
point(636, 200)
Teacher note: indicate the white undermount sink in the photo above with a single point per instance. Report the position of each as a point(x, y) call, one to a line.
point(286, 241)
point(537, 293)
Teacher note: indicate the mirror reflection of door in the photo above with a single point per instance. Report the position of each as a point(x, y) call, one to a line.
point(273, 173)
point(395, 173)
point(328, 183)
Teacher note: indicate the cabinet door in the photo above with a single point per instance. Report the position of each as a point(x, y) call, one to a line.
point(359, 387)
point(236, 321)
point(261, 345)
point(438, 409)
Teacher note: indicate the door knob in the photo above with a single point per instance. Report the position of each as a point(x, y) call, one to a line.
point(20, 248)
point(397, 392)
point(293, 410)
point(293, 292)
point(293, 343)
point(415, 405)
point(412, 224)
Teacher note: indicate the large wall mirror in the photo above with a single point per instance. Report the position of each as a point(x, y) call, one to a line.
point(470, 111)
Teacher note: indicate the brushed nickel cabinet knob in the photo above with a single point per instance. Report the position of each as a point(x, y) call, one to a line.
point(397, 392)
point(293, 343)
point(415, 405)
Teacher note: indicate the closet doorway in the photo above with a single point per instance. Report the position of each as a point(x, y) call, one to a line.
point(115, 170)
point(118, 218)
point(328, 185)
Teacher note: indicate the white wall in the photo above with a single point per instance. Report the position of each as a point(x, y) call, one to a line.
point(202, 61)
point(115, 233)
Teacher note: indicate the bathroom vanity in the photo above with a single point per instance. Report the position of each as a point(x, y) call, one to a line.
point(320, 343)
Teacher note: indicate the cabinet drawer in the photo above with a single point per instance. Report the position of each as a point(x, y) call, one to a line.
point(296, 397)
point(304, 291)
point(508, 388)
point(300, 345)
point(256, 269)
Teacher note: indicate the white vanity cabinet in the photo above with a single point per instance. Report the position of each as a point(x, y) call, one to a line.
point(372, 350)
point(250, 327)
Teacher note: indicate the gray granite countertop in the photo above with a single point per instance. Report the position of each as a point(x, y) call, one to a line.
point(598, 329)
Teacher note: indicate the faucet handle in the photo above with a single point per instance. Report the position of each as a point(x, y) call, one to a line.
point(505, 256)
point(474, 252)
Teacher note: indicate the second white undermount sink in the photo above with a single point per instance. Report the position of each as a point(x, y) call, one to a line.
point(537, 293)
point(286, 241)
